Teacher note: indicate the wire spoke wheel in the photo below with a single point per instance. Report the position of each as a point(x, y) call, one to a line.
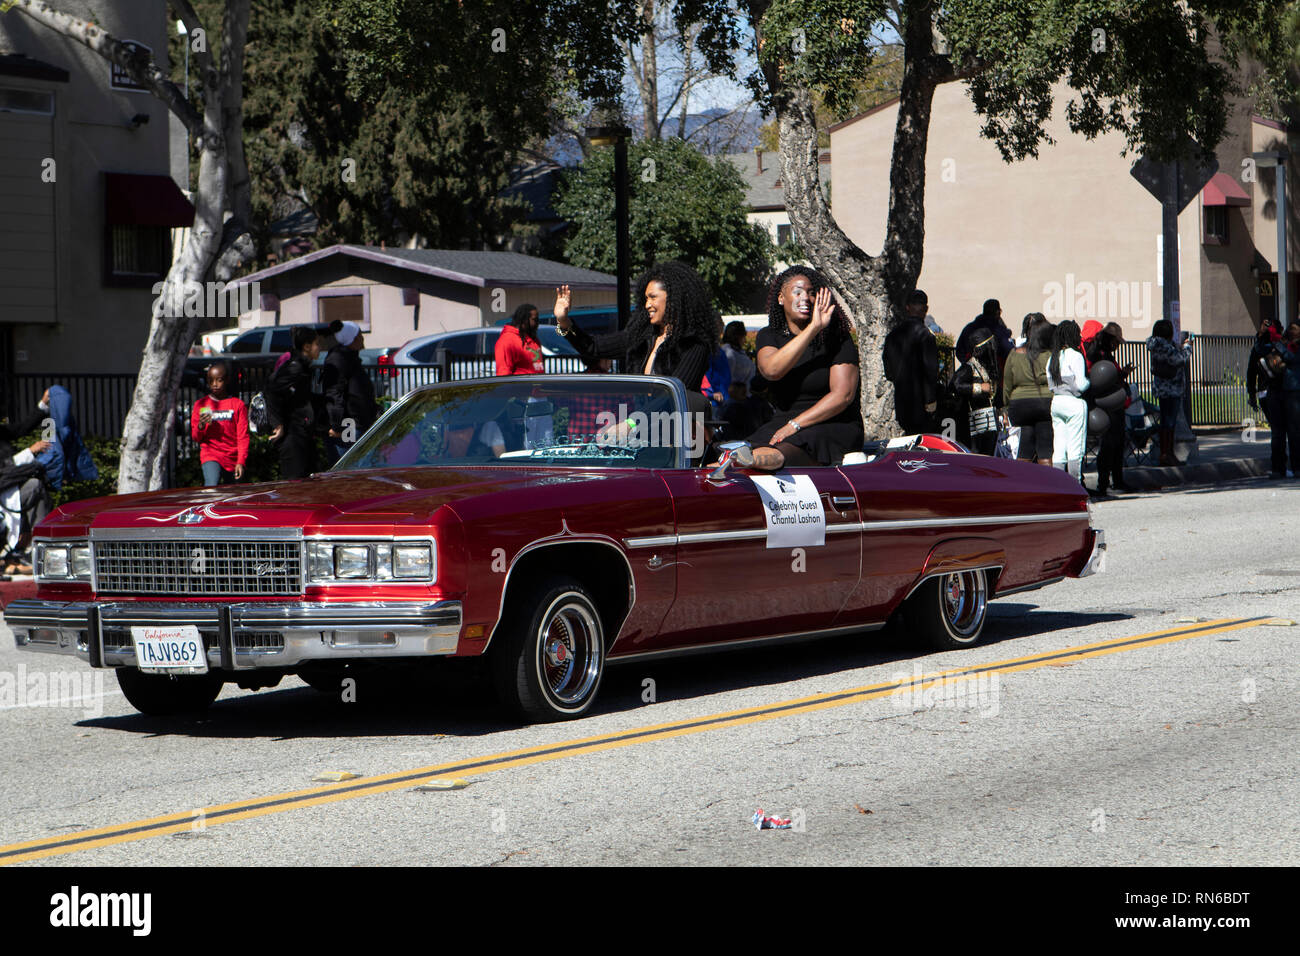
point(569, 652)
point(550, 655)
point(964, 600)
point(948, 611)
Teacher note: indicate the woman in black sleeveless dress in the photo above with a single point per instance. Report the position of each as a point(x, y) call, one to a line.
point(811, 361)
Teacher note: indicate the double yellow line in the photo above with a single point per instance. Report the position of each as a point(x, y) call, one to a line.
point(280, 803)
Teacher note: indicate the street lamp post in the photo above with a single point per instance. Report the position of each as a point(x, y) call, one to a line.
point(617, 137)
point(1277, 159)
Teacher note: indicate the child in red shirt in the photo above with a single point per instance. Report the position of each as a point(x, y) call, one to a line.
point(219, 423)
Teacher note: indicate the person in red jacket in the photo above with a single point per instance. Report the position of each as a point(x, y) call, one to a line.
point(518, 352)
point(219, 423)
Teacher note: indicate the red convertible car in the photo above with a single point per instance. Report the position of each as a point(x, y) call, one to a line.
point(552, 523)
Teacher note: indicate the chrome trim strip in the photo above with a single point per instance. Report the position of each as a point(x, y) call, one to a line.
point(654, 541)
point(841, 527)
point(751, 642)
point(967, 522)
point(938, 574)
point(31, 613)
point(702, 537)
point(705, 537)
point(190, 533)
point(1027, 587)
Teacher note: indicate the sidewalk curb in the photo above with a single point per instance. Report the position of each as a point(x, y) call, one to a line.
point(1153, 478)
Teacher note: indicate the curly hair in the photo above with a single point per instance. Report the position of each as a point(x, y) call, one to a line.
point(776, 321)
point(690, 313)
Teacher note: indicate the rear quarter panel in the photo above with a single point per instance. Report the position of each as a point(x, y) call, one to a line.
point(954, 495)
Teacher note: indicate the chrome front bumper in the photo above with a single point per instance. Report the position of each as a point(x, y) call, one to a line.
point(1097, 560)
point(241, 636)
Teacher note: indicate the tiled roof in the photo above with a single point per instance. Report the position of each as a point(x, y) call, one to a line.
point(470, 267)
point(765, 189)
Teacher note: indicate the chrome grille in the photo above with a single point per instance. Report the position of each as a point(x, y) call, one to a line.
point(198, 567)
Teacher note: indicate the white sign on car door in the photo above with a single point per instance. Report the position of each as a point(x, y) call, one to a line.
point(793, 510)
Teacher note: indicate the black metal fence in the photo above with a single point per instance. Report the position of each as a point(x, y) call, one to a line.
point(1218, 380)
point(1217, 374)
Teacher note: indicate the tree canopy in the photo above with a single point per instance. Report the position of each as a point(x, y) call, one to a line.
point(682, 205)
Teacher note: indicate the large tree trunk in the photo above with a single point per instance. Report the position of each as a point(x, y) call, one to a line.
point(870, 288)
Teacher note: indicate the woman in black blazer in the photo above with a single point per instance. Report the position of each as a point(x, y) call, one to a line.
point(671, 333)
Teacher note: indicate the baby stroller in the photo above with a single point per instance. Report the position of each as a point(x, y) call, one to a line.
point(1142, 426)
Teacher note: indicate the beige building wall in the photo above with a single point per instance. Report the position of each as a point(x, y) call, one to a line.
point(90, 327)
point(1070, 234)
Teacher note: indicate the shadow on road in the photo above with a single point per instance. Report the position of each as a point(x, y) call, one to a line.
point(457, 700)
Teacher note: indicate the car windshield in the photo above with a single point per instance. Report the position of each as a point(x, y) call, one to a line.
point(605, 421)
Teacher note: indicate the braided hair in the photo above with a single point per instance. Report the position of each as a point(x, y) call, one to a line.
point(836, 332)
point(1067, 337)
point(690, 313)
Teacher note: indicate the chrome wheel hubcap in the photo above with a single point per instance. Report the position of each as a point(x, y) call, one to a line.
point(569, 652)
point(964, 599)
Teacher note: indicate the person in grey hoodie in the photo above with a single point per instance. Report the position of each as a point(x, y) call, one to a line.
point(1167, 364)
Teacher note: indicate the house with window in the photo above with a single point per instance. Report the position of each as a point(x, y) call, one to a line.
point(765, 193)
point(87, 202)
point(398, 294)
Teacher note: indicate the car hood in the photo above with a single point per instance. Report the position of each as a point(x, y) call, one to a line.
point(379, 495)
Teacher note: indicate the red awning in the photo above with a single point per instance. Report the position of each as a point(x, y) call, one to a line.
point(1222, 190)
point(131, 199)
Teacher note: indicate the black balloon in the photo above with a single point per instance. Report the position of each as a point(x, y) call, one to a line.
point(1098, 421)
point(1113, 401)
point(1104, 377)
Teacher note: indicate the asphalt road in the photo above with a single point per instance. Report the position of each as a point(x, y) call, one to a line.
point(1175, 750)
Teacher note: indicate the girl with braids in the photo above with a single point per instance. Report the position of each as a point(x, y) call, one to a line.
point(672, 333)
point(811, 361)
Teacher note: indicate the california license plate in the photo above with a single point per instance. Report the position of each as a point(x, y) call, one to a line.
point(169, 650)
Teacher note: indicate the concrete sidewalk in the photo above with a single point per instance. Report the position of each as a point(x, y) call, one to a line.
point(1219, 455)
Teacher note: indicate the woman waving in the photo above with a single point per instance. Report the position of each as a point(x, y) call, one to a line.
point(810, 359)
point(671, 333)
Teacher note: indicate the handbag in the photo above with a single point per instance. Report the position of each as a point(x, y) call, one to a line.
point(983, 420)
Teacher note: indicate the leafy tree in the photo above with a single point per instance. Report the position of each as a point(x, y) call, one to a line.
point(368, 114)
point(681, 205)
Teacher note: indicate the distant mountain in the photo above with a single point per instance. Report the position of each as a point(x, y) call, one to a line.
point(714, 131)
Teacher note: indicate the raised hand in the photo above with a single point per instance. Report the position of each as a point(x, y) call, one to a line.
point(823, 309)
point(563, 298)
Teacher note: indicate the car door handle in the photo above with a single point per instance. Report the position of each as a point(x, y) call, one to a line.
point(843, 501)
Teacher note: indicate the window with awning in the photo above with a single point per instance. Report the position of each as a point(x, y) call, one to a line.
point(1223, 190)
point(139, 213)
